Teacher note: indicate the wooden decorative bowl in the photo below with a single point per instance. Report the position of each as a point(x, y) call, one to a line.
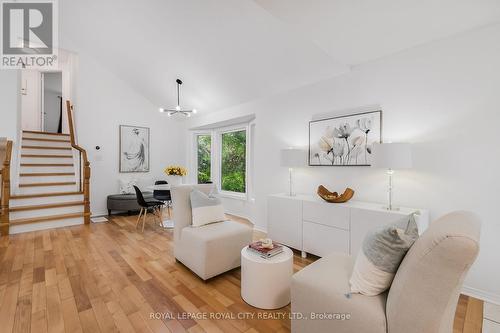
point(334, 197)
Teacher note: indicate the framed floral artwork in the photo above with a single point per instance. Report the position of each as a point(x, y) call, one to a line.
point(345, 140)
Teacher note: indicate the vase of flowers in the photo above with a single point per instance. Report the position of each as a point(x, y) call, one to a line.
point(174, 174)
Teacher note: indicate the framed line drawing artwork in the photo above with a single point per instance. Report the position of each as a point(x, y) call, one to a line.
point(134, 149)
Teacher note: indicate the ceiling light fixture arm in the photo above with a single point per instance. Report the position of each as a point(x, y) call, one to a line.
point(171, 112)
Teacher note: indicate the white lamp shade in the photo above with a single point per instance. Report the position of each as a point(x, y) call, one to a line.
point(392, 156)
point(292, 158)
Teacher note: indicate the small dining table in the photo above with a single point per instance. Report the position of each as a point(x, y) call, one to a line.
point(167, 223)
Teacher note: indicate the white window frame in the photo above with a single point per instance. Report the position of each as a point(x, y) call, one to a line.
point(216, 158)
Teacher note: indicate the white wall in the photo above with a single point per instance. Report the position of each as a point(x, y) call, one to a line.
point(103, 103)
point(10, 114)
point(30, 100)
point(9, 104)
point(443, 97)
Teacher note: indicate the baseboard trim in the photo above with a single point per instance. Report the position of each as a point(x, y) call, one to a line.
point(481, 294)
point(99, 214)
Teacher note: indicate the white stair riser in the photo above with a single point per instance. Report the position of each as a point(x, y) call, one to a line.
point(48, 189)
point(45, 200)
point(51, 160)
point(46, 179)
point(490, 326)
point(32, 151)
point(45, 212)
point(27, 142)
point(15, 229)
point(45, 136)
point(25, 169)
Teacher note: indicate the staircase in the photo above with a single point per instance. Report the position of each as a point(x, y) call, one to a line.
point(49, 194)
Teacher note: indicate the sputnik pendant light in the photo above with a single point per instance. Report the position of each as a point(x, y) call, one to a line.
point(178, 109)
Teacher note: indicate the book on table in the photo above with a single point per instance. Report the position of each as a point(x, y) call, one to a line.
point(265, 252)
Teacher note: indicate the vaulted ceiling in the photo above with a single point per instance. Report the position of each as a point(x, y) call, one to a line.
point(232, 51)
point(356, 31)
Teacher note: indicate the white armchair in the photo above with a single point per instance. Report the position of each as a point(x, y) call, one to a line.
point(423, 296)
point(208, 250)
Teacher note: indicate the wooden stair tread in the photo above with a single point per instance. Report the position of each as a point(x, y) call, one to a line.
point(46, 164)
point(46, 140)
point(46, 174)
point(47, 184)
point(46, 206)
point(45, 133)
point(44, 195)
point(47, 218)
point(46, 156)
point(45, 147)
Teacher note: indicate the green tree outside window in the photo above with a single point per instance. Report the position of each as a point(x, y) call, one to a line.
point(204, 161)
point(233, 161)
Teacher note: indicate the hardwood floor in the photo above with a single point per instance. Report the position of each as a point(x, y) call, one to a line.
point(108, 277)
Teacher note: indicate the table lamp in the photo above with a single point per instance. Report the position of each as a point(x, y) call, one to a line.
point(292, 158)
point(391, 156)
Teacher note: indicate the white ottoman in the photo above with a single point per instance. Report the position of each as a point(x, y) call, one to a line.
point(265, 283)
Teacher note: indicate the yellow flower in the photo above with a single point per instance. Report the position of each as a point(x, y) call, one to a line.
point(175, 170)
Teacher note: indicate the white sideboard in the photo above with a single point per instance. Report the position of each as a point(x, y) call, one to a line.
point(311, 225)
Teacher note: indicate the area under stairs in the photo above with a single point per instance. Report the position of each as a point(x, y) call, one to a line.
point(49, 194)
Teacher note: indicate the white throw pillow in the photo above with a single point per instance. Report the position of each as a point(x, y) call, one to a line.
point(382, 252)
point(127, 186)
point(206, 209)
point(143, 182)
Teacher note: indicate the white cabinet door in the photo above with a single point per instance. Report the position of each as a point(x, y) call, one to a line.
point(364, 220)
point(327, 214)
point(284, 221)
point(322, 240)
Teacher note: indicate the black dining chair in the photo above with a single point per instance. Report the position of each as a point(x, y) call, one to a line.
point(165, 196)
point(162, 195)
point(145, 206)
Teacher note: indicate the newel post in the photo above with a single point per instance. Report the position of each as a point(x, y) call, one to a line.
point(86, 192)
point(5, 191)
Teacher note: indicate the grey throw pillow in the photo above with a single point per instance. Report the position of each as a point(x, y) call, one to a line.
point(382, 252)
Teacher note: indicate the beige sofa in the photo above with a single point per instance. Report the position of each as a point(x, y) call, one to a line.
point(211, 249)
point(423, 296)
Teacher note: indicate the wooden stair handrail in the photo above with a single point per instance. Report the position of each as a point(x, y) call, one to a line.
point(5, 190)
point(85, 173)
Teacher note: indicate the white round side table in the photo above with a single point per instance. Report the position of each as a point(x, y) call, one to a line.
point(265, 283)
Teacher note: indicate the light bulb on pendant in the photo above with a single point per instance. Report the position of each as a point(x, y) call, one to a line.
point(161, 109)
point(169, 114)
point(178, 107)
point(194, 111)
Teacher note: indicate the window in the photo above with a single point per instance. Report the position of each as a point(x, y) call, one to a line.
point(222, 155)
point(204, 145)
point(233, 161)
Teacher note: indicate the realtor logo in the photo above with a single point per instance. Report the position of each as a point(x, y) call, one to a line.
point(29, 34)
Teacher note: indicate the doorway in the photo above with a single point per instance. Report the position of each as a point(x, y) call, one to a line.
point(52, 102)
